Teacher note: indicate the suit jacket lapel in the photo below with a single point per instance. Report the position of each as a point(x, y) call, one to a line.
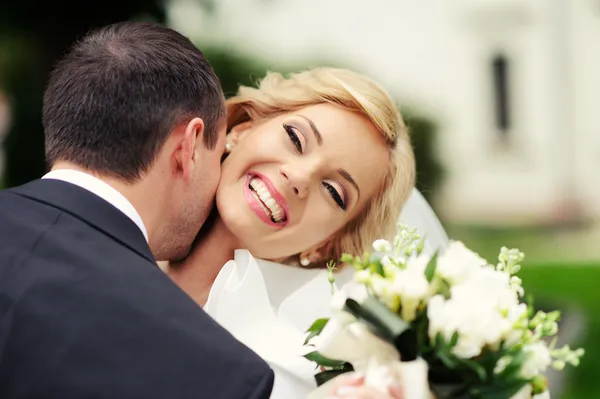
point(90, 208)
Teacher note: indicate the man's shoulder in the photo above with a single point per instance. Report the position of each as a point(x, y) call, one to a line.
point(127, 314)
point(23, 222)
point(16, 208)
point(70, 286)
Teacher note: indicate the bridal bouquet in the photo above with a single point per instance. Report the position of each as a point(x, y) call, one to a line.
point(450, 325)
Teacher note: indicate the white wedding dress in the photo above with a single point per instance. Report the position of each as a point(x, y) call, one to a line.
point(268, 306)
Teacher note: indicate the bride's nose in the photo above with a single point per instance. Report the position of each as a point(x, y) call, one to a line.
point(297, 179)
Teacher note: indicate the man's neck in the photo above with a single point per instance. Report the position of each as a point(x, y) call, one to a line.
point(137, 194)
point(196, 274)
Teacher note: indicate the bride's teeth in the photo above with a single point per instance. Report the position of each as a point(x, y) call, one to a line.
point(266, 201)
point(271, 203)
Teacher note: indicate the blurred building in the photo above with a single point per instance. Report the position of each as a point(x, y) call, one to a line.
point(514, 86)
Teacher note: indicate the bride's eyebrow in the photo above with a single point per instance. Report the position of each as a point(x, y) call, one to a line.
point(319, 137)
point(344, 173)
point(314, 129)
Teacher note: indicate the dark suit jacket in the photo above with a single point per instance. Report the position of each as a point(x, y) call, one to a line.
point(86, 313)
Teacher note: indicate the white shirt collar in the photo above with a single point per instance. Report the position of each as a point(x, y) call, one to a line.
point(102, 190)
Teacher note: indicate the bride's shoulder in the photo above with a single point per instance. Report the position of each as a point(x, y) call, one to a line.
point(299, 295)
point(295, 294)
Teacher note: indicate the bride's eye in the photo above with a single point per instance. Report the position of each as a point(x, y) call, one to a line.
point(291, 131)
point(341, 202)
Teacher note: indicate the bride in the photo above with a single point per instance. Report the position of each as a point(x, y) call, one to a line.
point(317, 164)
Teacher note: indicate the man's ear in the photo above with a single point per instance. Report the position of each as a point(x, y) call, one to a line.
point(237, 132)
point(187, 152)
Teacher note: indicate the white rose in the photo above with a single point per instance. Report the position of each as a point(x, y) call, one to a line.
point(447, 317)
point(517, 317)
point(439, 319)
point(354, 343)
point(538, 359)
point(411, 286)
point(517, 314)
point(458, 262)
point(476, 310)
point(490, 286)
point(383, 289)
point(362, 276)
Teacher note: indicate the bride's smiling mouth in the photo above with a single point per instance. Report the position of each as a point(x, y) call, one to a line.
point(266, 202)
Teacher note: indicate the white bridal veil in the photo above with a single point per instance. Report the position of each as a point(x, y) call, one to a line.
point(418, 213)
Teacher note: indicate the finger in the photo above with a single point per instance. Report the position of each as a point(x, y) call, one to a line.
point(347, 379)
point(364, 392)
point(396, 391)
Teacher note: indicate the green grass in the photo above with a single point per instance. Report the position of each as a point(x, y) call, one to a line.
point(577, 285)
point(572, 244)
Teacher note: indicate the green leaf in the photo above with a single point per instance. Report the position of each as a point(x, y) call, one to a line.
point(323, 361)
point(448, 360)
point(421, 244)
point(512, 370)
point(431, 266)
point(477, 368)
point(488, 359)
point(377, 267)
point(315, 329)
point(453, 340)
point(444, 289)
point(530, 305)
point(457, 390)
point(499, 390)
point(553, 316)
point(375, 313)
point(439, 341)
point(421, 326)
point(443, 351)
point(347, 258)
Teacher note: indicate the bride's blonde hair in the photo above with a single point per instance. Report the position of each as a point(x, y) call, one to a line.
point(276, 94)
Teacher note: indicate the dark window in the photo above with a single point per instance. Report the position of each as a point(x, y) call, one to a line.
point(500, 76)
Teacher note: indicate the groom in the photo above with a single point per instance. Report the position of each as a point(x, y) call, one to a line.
point(134, 130)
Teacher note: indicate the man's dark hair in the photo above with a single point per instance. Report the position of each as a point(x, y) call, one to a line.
point(113, 99)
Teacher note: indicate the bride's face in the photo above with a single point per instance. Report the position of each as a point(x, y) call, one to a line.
point(291, 182)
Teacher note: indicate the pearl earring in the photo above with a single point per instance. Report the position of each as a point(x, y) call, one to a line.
point(228, 147)
point(304, 261)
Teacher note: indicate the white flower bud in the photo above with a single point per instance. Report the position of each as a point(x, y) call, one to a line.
point(362, 276)
point(558, 365)
point(501, 364)
point(538, 359)
point(382, 246)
